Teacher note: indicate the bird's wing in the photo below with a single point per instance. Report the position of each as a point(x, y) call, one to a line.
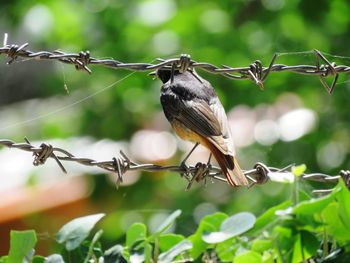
point(198, 116)
point(220, 114)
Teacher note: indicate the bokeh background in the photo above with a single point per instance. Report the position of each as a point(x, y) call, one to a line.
point(294, 120)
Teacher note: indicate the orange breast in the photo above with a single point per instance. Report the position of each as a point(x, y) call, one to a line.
point(186, 134)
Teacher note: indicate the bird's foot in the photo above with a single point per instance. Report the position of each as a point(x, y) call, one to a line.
point(187, 171)
point(199, 175)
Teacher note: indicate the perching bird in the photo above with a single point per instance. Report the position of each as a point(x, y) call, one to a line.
point(195, 112)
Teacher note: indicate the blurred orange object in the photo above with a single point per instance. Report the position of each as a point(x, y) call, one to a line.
point(51, 204)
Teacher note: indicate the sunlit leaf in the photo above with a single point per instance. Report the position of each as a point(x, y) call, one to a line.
point(344, 204)
point(75, 231)
point(226, 250)
point(209, 223)
point(55, 258)
point(114, 255)
point(176, 250)
point(314, 205)
point(232, 226)
point(268, 257)
point(269, 216)
point(284, 212)
point(167, 241)
point(285, 177)
point(261, 245)
point(335, 227)
point(248, 256)
point(21, 245)
point(299, 170)
point(136, 232)
point(168, 221)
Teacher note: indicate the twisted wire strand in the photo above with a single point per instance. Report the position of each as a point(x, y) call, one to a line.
point(199, 172)
point(255, 72)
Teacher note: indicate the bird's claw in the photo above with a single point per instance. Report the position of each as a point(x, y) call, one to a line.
point(187, 173)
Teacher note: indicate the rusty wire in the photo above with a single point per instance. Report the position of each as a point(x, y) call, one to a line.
point(255, 72)
point(199, 172)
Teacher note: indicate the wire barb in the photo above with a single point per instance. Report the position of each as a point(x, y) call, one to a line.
point(255, 72)
point(82, 61)
point(46, 151)
point(345, 174)
point(329, 69)
point(184, 63)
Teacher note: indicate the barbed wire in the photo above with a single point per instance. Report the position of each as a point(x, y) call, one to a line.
point(255, 71)
point(260, 174)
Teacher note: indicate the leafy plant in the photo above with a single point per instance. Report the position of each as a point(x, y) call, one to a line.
point(317, 228)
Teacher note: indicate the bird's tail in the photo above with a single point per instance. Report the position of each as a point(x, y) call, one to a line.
point(229, 167)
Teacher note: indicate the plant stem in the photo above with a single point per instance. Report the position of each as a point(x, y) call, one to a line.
point(156, 250)
point(325, 242)
point(92, 244)
point(296, 191)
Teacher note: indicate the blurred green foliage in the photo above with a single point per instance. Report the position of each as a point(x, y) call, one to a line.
point(284, 233)
point(219, 32)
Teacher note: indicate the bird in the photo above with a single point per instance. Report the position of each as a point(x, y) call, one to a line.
point(196, 114)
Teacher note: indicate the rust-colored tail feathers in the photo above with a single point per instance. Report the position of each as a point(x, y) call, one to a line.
point(229, 167)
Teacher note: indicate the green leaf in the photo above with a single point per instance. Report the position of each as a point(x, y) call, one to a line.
point(248, 256)
point(167, 241)
point(268, 217)
point(297, 250)
point(38, 259)
point(21, 245)
point(310, 244)
point(299, 170)
point(335, 227)
point(283, 240)
point(305, 246)
point(75, 231)
point(268, 257)
point(232, 226)
point(208, 223)
point(55, 258)
point(176, 250)
point(168, 222)
point(261, 245)
point(136, 232)
point(344, 204)
point(226, 250)
point(315, 205)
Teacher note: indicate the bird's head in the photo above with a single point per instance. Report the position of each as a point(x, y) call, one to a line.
point(163, 74)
